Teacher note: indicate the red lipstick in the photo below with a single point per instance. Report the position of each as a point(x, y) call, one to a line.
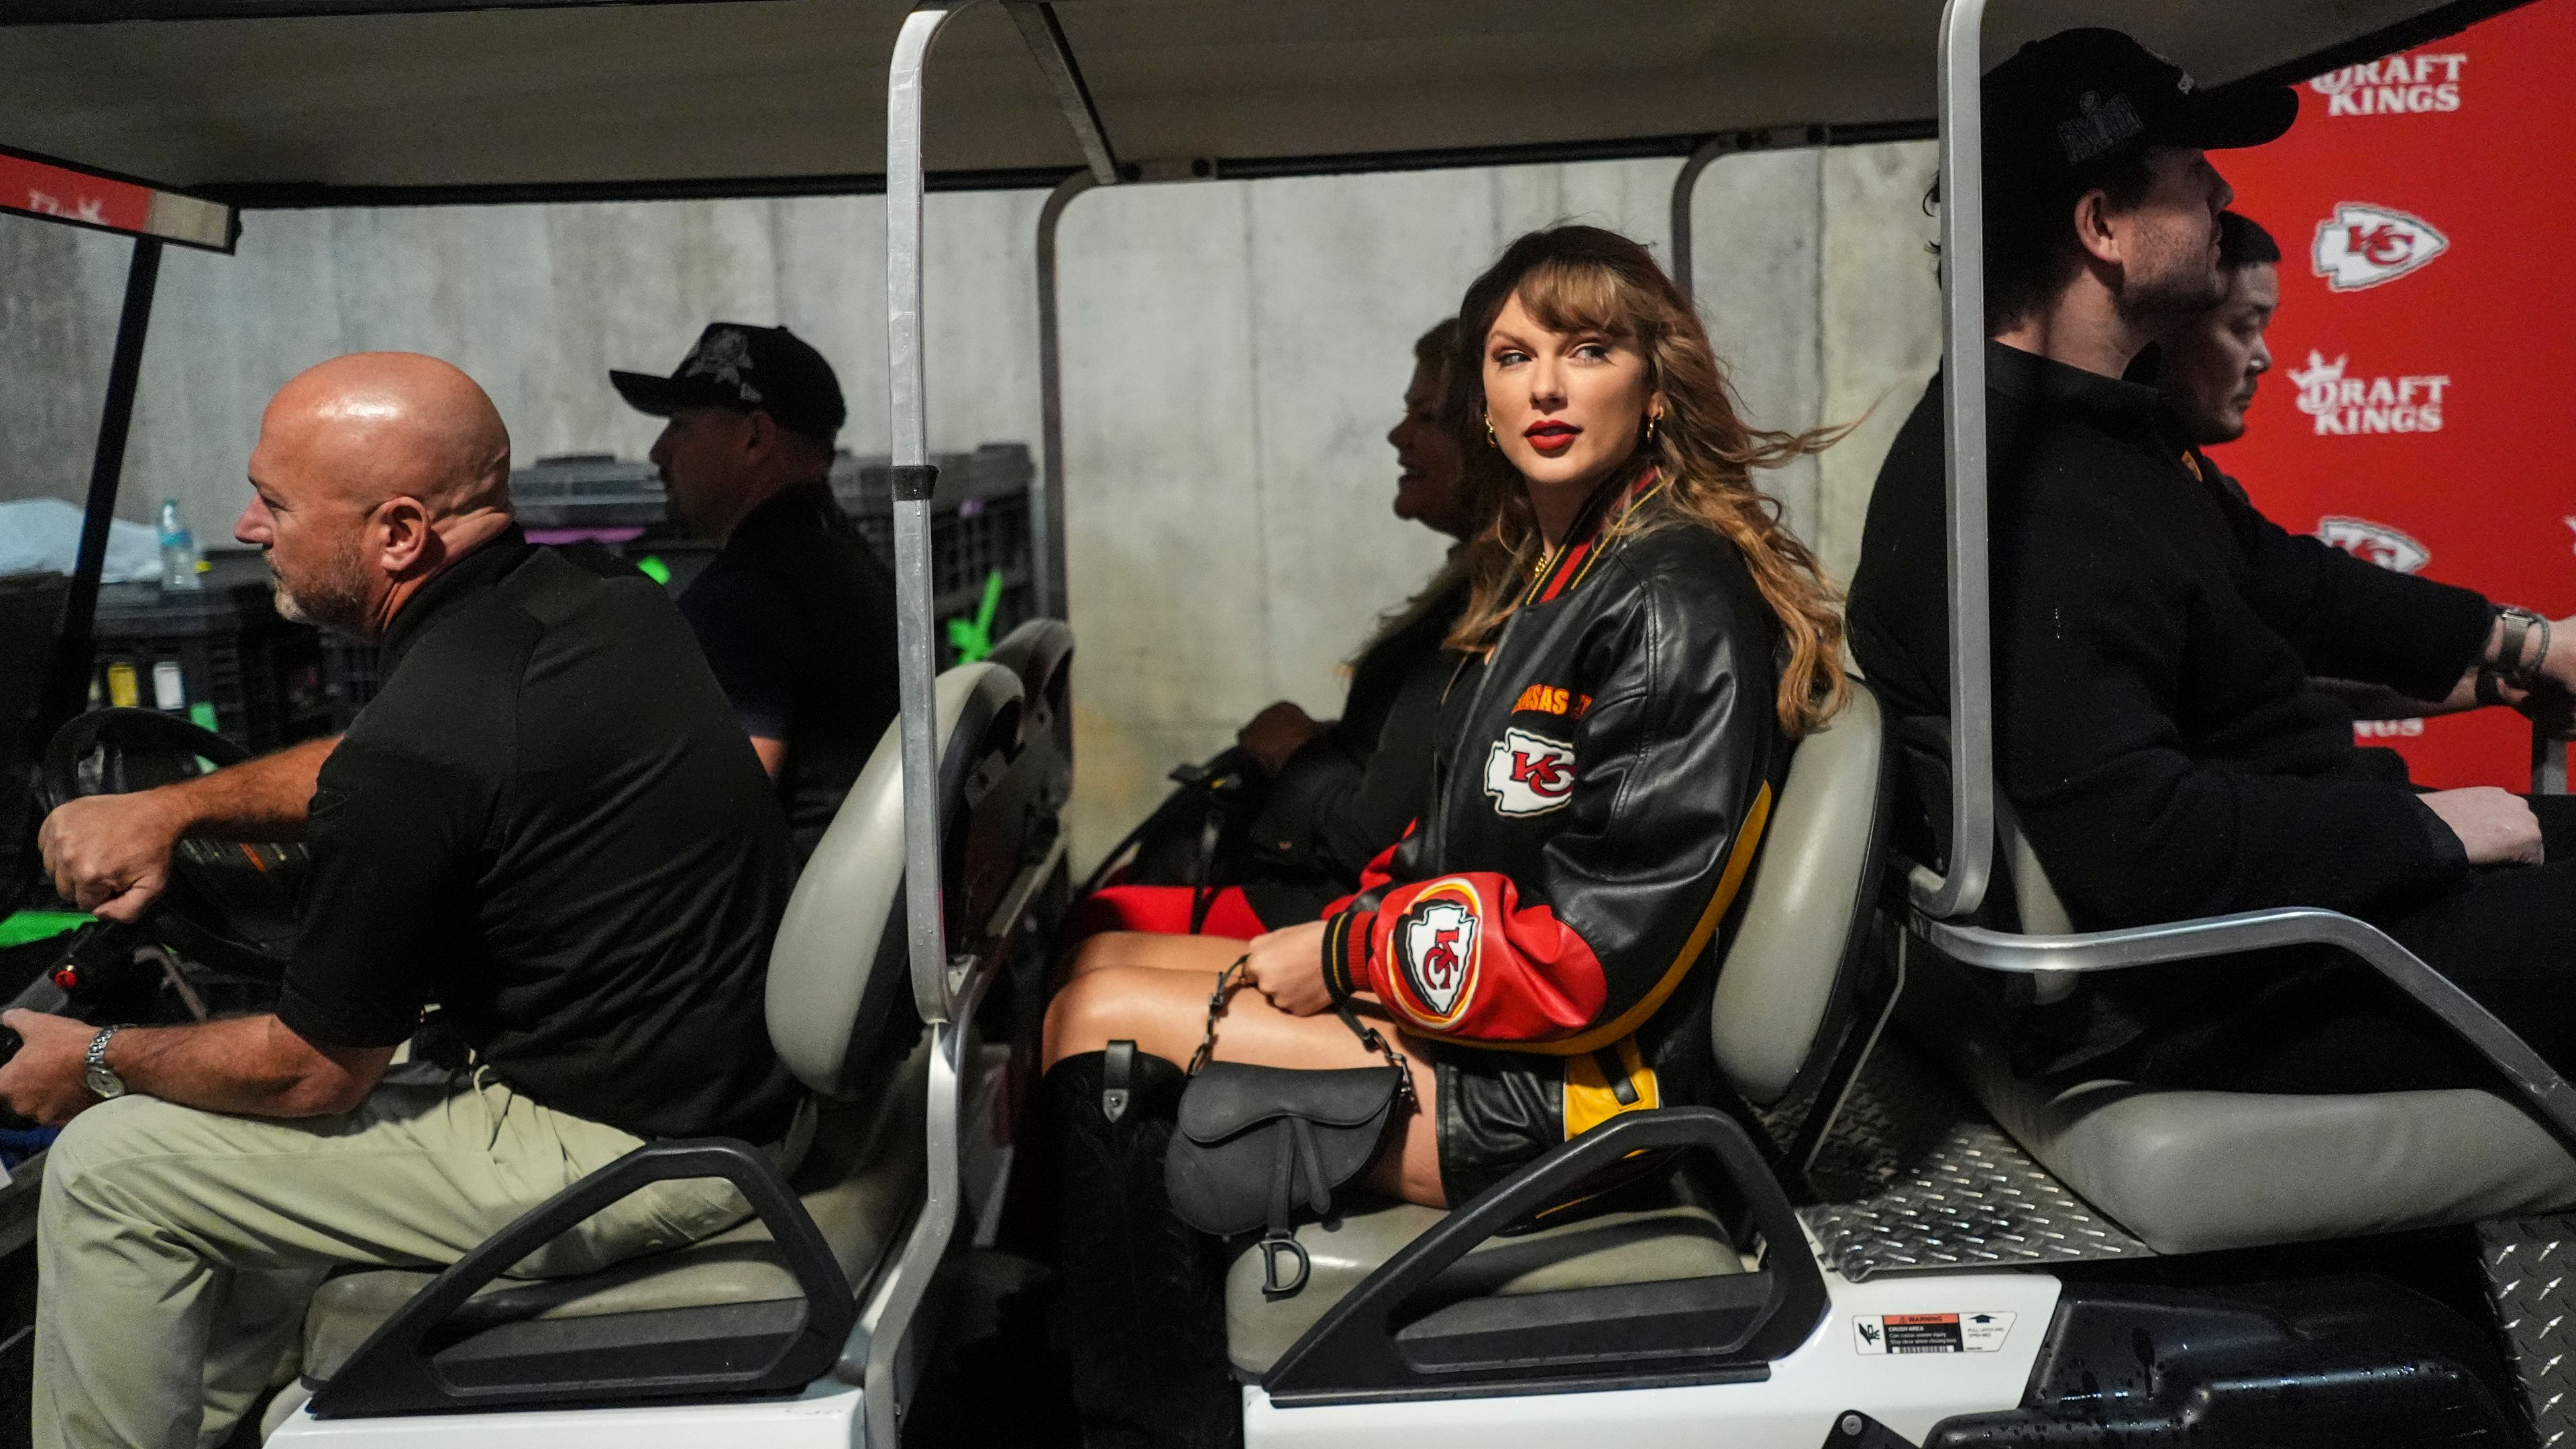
point(1551, 436)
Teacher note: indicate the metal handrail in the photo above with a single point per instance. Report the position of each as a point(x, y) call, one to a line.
point(1046, 544)
point(1991, 950)
point(875, 1347)
point(1963, 360)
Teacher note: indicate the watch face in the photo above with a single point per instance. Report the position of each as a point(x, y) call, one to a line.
point(103, 1082)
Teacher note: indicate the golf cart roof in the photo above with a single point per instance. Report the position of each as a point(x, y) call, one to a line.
point(335, 102)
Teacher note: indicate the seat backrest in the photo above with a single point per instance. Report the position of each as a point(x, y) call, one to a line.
point(840, 973)
point(1040, 652)
point(1794, 964)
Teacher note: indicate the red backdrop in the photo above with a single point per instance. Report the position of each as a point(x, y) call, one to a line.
point(2423, 357)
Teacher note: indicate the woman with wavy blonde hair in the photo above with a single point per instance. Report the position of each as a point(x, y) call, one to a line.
point(1642, 644)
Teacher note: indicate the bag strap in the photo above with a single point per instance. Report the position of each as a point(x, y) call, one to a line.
point(1232, 977)
point(1226, 981)
point(1370, 1038)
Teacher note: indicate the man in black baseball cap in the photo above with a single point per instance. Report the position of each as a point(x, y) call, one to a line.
point(2095, 173)
point(797, 612)
point(2158, 733)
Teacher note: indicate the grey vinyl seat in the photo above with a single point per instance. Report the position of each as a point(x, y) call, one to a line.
point(2199, 1171)
point(1783, 995)
point(840, 1014)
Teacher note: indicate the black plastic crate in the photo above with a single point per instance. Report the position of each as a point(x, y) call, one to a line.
point(219, 656)
point(352, 671)
point(587, 491)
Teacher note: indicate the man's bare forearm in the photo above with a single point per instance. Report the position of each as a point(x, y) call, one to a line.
point(261, 799)
point(253, 1066)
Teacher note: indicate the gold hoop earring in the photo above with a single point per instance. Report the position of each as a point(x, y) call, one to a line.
point(1651, 420)
point(1490, 440)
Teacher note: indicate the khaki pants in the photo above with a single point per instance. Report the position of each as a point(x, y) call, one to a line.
point(177, 1248)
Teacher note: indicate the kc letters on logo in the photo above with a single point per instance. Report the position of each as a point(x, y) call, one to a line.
point(2362, 245)
point(1436, 947)
point(1529, 774)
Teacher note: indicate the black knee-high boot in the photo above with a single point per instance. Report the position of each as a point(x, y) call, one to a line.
point(1141, 1318)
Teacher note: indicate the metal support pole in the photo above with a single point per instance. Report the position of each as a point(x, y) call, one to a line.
point(1686, 185)
point(1683, 185)
point(1046, 560)
point(1963, 359)
point(914, 482)
point(67, 682)
point(1054, 55)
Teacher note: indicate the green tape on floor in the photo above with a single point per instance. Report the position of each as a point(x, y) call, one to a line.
point(28, 926)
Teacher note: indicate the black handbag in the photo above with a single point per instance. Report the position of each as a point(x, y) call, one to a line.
point(1201, 835)
point(1256, 1147)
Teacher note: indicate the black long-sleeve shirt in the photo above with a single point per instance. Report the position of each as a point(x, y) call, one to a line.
point(2154, 636)
point(1349, 793)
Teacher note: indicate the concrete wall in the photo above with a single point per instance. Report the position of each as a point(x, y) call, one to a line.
point(1234, 353)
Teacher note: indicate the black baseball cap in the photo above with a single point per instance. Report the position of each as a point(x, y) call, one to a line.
point(735, 366)
point(2083, 96)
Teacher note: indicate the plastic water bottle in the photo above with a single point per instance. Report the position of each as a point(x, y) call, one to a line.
point(178, 550)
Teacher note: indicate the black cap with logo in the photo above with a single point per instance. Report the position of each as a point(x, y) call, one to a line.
point(767, 368)
point(2083, 96)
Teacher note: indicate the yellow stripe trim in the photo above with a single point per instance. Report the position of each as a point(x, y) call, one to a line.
point(1591, 1101)
point(1729, 881)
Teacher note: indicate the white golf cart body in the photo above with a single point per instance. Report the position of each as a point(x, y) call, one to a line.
point(1911, 1287)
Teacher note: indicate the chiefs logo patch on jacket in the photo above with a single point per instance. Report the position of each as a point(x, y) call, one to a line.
point(1435, 948)
point(1529, 774)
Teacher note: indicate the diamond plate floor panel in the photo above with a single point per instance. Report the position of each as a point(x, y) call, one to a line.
point(1915, 1178)
point(2531, 1279)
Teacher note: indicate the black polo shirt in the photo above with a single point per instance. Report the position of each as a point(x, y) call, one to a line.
point(2154, 638)
point(797, 617)
point(548, 824)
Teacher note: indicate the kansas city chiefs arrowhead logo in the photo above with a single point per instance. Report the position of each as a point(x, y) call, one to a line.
point(1529, 774)
point(2363, 245)
point(1436, 947)
point(2374, 543)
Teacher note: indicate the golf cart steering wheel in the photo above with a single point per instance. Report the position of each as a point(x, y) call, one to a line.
point(229, 904)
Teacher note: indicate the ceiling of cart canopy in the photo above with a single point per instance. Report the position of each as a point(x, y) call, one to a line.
point(336, 101)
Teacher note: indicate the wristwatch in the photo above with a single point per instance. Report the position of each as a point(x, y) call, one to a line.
point(96, 1074)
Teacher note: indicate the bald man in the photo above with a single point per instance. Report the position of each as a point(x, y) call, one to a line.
point(547, 823)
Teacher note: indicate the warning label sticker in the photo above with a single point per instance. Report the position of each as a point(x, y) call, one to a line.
point(1931, 1332)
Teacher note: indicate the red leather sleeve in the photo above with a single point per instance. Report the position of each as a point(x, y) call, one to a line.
point(1462, 958)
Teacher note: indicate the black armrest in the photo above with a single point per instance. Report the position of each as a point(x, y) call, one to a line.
point(1705, 1328)
point(425, 1360)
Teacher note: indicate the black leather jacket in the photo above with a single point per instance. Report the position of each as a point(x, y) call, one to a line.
point(1603, 779)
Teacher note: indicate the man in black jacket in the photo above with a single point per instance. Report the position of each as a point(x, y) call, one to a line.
point(2157, 732)
point(797, 613)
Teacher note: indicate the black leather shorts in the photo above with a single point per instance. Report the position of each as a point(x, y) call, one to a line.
point(1500, 1109)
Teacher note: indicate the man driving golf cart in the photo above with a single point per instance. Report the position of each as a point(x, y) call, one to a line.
point(547, 824)
point(2158, 733)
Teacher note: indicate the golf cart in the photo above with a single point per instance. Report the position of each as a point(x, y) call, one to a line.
point(1909, 1246)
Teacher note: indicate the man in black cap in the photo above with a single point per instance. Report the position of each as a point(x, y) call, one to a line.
point(2157, 732)
point(797, 613)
